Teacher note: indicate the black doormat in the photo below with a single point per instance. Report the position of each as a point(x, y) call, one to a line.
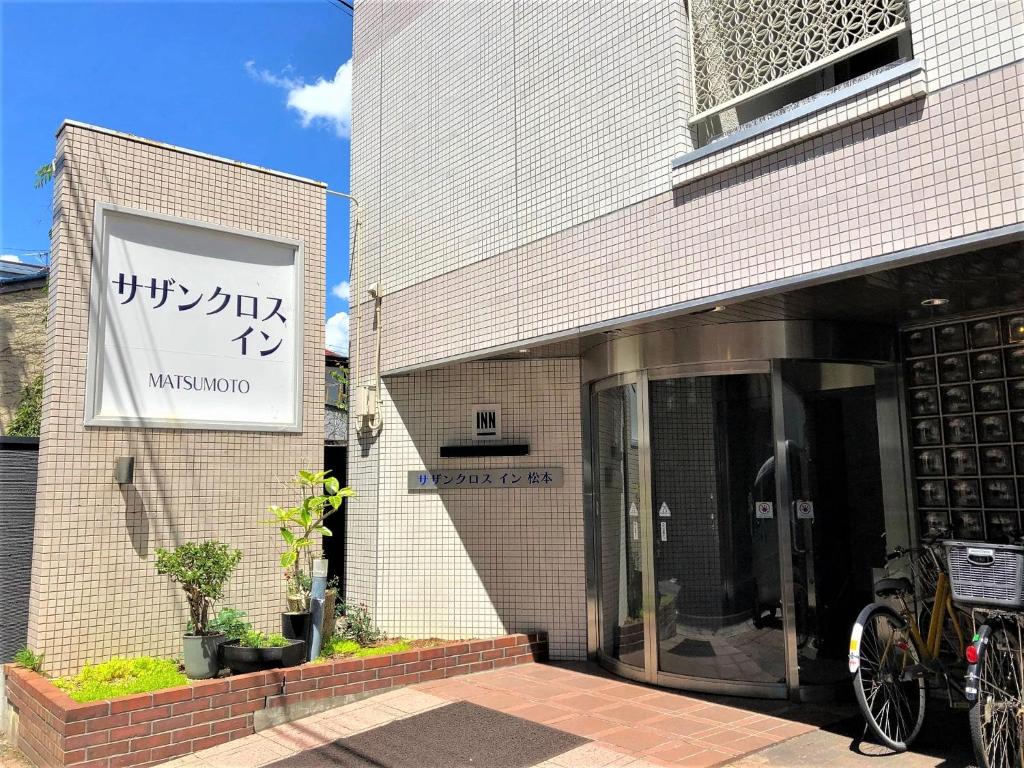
point(457, 735)
point(692, 648)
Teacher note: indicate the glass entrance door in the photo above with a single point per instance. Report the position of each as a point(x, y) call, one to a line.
point(716, 541)
point(738, 519)
point(833, 493)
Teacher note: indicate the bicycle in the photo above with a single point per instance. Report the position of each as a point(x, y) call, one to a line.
point(891, 662)
point(994, 685)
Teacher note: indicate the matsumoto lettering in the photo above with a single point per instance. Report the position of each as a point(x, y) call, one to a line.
point(188, 383)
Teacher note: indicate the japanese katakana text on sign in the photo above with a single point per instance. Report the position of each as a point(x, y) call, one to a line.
point(192, 325)
point(466, 479)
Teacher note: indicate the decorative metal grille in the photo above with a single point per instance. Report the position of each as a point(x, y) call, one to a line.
point(742, 45)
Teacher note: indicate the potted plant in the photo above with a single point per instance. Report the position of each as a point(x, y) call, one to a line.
point(202, 569)
point(322, 496)
point(254, 651)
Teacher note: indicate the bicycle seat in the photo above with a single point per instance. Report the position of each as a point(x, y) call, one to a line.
point(887, 587)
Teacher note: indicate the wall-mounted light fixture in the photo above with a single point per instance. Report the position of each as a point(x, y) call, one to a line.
point(124, 470)
point(934, 302)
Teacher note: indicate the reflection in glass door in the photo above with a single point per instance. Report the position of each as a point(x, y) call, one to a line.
point(716, 541)
point(837, 517)
point(617, 491)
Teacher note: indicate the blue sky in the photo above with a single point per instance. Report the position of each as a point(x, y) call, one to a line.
point(264, 83)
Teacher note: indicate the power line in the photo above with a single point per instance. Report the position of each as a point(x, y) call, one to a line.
point(342, 5)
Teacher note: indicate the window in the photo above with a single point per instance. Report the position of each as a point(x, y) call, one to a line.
point(753, 58)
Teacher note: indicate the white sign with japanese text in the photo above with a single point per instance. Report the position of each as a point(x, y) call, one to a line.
point(466, 479)
point(192, 325)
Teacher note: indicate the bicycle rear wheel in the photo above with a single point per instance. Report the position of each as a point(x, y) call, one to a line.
point(996, 714)
point(887, 682)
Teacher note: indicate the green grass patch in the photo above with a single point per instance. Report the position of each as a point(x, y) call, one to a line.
point(120, 677)
point(337, 646)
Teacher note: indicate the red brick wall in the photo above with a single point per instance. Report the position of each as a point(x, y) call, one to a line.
point(149, 728)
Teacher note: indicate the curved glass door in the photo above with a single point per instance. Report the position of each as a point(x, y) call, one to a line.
point(838, 520)
point(738, 518)
point(617, 494)
point(716, 540)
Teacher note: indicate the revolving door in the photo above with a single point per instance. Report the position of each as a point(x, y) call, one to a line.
point(739, 510)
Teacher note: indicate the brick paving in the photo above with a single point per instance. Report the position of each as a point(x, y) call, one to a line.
point(628, 724)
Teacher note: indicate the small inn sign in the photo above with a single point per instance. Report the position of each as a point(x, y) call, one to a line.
point(486, 422)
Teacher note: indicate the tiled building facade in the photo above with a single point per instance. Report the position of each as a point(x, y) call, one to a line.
point(95, 592)
point(528, 175)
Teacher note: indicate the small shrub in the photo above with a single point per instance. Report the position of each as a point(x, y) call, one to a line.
point(358, 625)
point(255, 639)
point(120, 677)
point(29, 659)
point(230, 621)
point(25, 422)
point(202, 569)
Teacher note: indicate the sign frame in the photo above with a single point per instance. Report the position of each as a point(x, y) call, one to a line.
point(98, 326)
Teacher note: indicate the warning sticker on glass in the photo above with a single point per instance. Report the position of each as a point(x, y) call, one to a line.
point(764, 510)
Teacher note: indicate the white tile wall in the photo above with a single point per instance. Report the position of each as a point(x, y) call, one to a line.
point(466, 563)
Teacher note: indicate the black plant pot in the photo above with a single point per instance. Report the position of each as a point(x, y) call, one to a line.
point(240, 659)
point(295, 625)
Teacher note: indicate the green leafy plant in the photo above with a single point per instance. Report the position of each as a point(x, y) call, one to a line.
point(340, 377)
point(358, 625)
point(45, 173)
point(231, 622)
point(255, 639)
point(25, 422)
point(29, 659)
point(299, 525)
point(337, 645)
point(120, 677)
point(202, 569)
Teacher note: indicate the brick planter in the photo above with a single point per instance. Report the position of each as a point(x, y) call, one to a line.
point(148, 728)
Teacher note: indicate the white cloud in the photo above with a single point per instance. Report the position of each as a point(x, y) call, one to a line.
point(325, 102)
point(341, 290)
point(17, 260)
point(336, 330)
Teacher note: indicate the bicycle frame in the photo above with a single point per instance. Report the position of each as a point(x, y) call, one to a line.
point(942, 608)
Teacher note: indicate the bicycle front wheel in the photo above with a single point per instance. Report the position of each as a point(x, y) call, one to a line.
point(888, 682)
point(997, 711)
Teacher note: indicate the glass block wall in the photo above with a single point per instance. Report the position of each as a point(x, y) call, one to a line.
point(965, 405)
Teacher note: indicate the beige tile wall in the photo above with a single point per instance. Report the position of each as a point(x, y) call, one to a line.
point(924, 172)
point(95, 592)
point(585, 134)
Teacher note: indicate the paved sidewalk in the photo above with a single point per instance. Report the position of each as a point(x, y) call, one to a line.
point(615, 724)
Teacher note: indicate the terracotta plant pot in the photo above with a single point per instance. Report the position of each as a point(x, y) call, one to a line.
point(240, 659)
point(201, 657)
